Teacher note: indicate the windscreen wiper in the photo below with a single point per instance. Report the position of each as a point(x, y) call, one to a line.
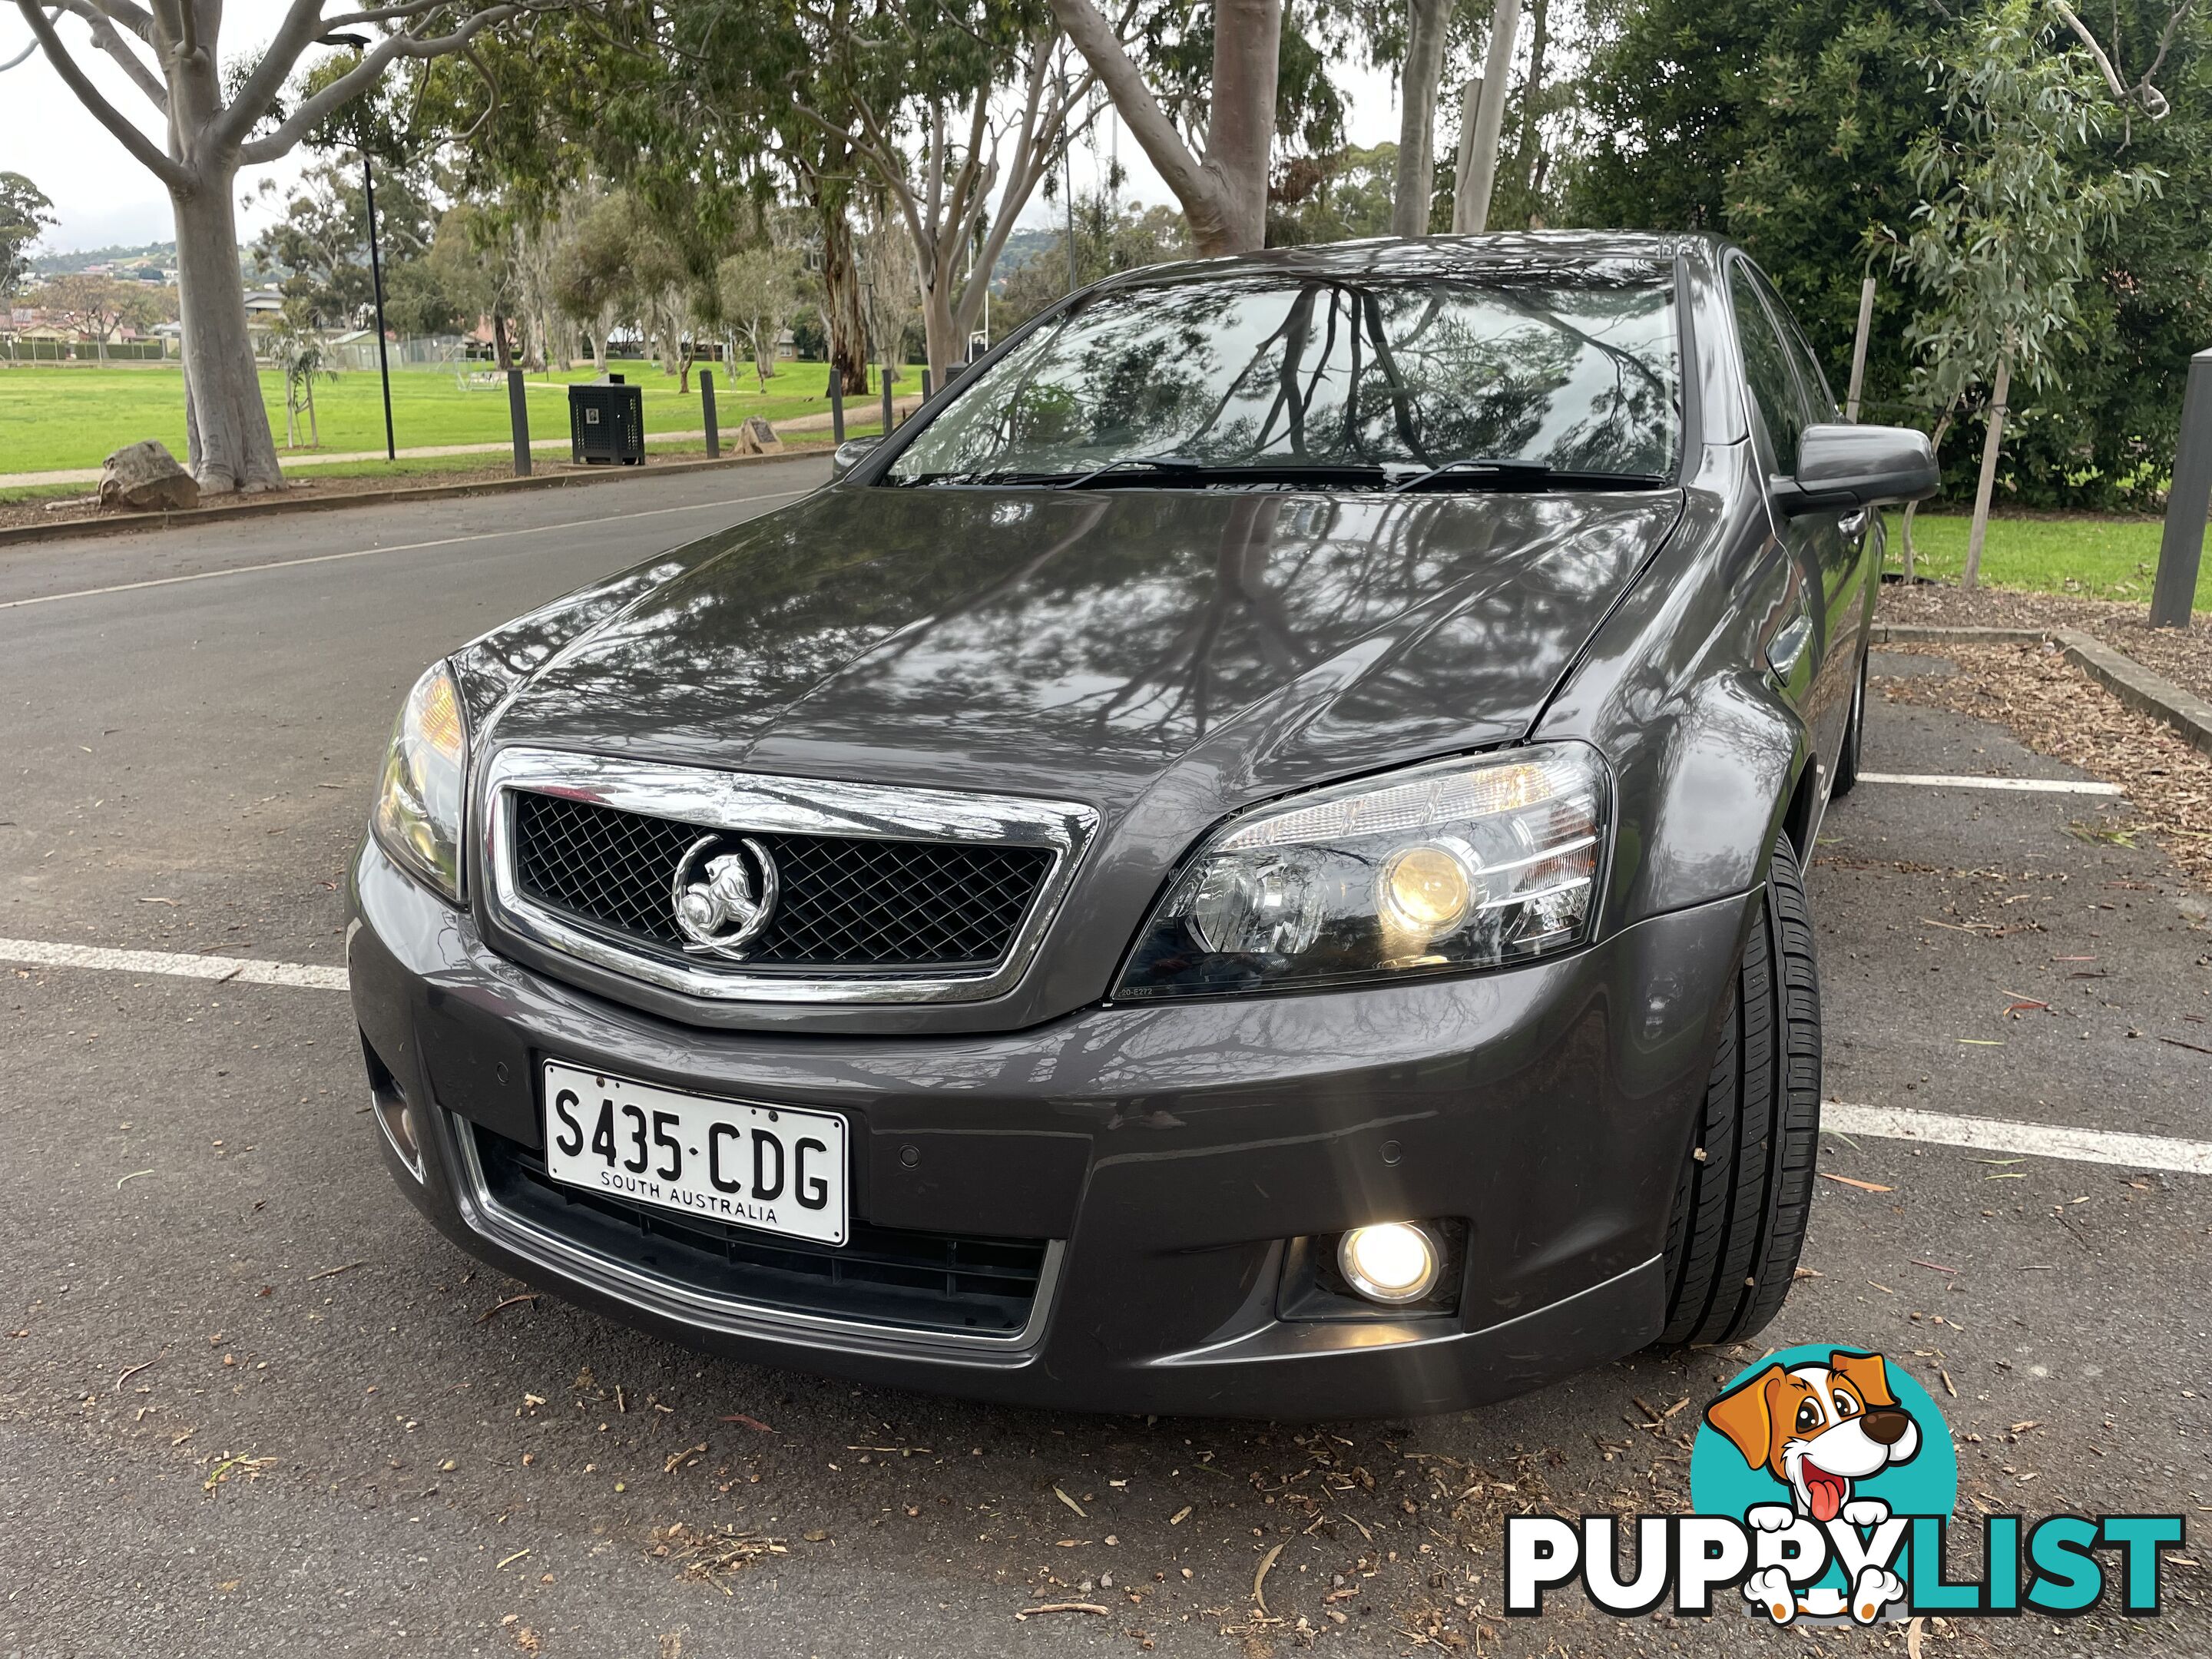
point(1163, 463)
point(1510, 474)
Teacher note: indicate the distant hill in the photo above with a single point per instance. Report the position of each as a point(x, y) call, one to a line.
point(57, 264)
point(1022, 247)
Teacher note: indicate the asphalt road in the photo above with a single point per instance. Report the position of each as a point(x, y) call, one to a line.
point(249, 1402)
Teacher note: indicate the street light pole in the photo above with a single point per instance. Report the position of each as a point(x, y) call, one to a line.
point(376, 283)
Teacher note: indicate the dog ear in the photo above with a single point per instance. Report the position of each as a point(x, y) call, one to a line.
point(1742, 1415)
point(1869, 1373)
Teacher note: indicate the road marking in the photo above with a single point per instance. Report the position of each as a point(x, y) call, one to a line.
point(2032, 785)
point(1989, 1134)
point(234, 970)
point(1997, 1135)
point(402, 547)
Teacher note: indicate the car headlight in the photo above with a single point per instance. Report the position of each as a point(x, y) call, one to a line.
point(1442, 867)
point(418, 816)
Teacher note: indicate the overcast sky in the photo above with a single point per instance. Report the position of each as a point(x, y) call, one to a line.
point(102, 197)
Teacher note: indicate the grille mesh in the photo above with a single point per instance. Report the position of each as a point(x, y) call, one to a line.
point(845, 903)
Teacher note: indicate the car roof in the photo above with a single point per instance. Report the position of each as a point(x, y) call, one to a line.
point(1432, 256)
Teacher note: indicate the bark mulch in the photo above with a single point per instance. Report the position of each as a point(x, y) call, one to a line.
point(2183, 655)
point(2058, 710)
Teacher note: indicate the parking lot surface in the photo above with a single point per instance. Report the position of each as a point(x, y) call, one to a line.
point(249, 1401)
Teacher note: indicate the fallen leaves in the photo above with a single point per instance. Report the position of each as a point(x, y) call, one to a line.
point(712, 1555)
point(501, 1307)
point(1260, 1578)
point(1061, 1607)
point(1863, 1186)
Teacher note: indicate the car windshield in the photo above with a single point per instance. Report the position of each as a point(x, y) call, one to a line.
point(1517, 376)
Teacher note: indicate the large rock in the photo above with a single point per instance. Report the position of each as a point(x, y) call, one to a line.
point(146, 479)
point(757, 437)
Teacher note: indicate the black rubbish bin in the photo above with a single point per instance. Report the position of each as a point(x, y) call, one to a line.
point(606, 423)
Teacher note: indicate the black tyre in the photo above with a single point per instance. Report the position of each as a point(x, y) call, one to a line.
point(1847, 763)
point(1745, 1189)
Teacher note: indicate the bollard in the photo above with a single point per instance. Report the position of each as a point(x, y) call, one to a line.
point(887, 400)
point(836, 405)
point(2181, 551)
point(518, 416)
point(925, 385)
point(707, 407)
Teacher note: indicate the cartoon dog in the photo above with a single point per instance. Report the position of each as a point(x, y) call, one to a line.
point(1818, 1429)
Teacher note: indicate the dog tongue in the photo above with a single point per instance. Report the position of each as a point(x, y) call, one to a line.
point(1826, 1493)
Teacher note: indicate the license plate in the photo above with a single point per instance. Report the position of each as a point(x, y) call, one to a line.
point(769, 1167)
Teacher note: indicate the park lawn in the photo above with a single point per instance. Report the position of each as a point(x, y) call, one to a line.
point(2104, 558)
point(55, 415)
point(439, 469)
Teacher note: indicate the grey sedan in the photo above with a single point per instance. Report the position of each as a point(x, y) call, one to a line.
point(1246, 861)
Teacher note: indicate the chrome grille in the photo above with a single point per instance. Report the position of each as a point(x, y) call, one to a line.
point(847, 902)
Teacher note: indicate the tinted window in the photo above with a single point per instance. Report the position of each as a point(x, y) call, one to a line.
point(1575, 368)
point(1818, 394)
point(1781, 406)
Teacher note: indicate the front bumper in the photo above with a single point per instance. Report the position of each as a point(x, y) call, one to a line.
point(1168, 1152)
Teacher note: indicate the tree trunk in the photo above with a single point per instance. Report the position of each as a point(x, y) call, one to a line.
point(1935, 443)
point(1478, 174)
point(840, 282)
point(1529, 145)
point(1248, 38)
point(502, 358)
point(1992, 441)
point(940, 330)
point(1417, 121)
point(235, 449)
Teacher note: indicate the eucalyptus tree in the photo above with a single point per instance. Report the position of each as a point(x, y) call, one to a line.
point(2012, 193)
point(24, 213)
point(212, 115)
point(1222, 182)
point(964, 107)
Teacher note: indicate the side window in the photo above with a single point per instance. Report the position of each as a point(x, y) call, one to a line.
point(1809, 372)
point(1780, 402)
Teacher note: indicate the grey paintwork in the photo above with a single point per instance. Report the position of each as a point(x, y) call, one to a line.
point(1169, 657)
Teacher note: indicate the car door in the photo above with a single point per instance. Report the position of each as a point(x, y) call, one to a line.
point(1847, 566)
point(1807, 659)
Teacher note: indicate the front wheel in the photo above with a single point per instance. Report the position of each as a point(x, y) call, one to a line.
point(1745, 1189)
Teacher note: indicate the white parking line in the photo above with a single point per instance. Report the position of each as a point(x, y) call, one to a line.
point(401, 547)
point(1987, 1135)
point(1997, 1135)
point(238, 970)
point(2031, 786)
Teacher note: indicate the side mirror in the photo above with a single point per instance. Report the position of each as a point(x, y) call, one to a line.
point(849, 454)
point(1843, 467)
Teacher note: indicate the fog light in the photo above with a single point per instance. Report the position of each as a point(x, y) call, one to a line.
point(1395, 1261)
point(396, 1119)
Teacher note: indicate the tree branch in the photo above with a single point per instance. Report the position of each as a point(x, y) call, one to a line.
point(302, 22)
point(135, 18)
point(1148, 123)
point(105, 37)
point(169, 171)
point(361, 77)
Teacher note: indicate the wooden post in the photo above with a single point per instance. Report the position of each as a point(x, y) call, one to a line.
point(2181, 551)
point(836, 405)
point(707, 408)
point(518, 417)
point(887, 397)
point(1859, 350)
point(1992, 441)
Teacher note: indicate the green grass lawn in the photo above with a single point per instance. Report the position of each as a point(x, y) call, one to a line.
point(2099, 558)
point(56, 416)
